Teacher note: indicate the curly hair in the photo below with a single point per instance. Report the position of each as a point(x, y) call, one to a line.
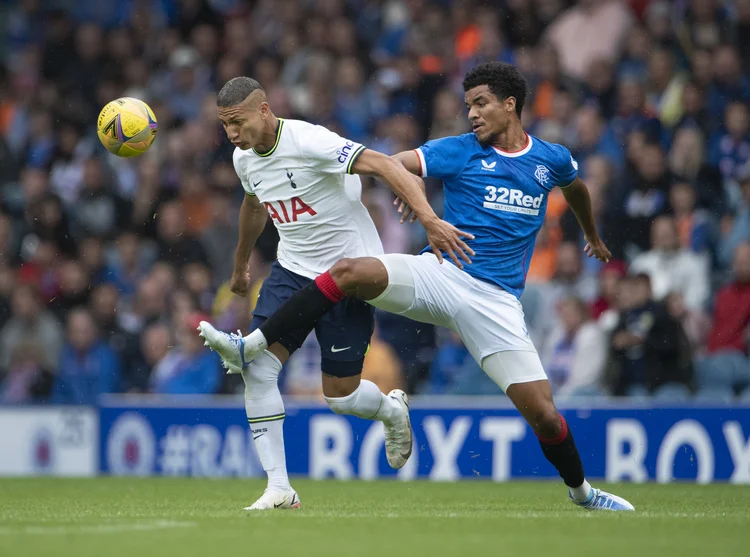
point(504, 80)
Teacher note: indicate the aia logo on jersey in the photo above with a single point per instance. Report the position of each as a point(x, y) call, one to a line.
point(344, 152)
point(542, 174)
point(284, 214)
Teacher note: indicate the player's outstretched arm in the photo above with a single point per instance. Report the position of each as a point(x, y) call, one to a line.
point(577, 196)
point(443, 237)
point(252, 221)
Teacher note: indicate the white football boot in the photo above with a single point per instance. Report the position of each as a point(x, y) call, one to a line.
point(398, 436)
point(274, 499)
point(231, 347)
point(599, 500)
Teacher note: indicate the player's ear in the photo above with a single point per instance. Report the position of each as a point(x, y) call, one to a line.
point(510, 104)
point(264, 109)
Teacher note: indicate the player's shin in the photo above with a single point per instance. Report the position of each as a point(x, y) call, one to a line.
point(301, 311)
point(562, 453)
point(265, 415)
point(367, 402)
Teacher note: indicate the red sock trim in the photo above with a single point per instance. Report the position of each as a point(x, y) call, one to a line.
point(560, 438)
point(329, 288)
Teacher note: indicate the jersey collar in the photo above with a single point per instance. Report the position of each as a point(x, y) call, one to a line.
point(276, 143)
point(514, 154)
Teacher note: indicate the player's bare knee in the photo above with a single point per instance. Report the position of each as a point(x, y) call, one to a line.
point(546, 422)
point(345, 275)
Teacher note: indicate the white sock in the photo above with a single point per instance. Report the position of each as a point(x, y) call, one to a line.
point(265, 414)
point(367, 402)
point(253, 342)
point(581, 493)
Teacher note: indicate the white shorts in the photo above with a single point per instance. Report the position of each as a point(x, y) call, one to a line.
point(488, 319)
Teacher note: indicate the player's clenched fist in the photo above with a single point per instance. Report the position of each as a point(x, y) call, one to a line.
point(240, 283)
point(444, 237)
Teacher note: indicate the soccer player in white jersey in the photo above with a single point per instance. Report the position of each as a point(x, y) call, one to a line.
point(496, 181)
point(302, 176)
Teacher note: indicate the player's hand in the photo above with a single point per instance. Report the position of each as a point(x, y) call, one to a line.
point(404, 209)
point(444, 237)
point(595, 248)
point(240, 283)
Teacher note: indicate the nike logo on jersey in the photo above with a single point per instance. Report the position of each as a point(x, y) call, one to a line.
point(256, 184)
point(490, 167)
point(334, 349)
point(258, 436)
point(512, 201)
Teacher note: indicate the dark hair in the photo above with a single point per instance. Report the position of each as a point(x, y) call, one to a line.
point(504, 80)
point(236, 90)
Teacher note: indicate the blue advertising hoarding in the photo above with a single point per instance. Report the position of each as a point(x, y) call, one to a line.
point(454, 439)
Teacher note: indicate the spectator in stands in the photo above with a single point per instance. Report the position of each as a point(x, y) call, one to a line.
point(672, 268)
point(104, 304)
point(27, 380)
point(694, 111)
point(731, 316)
point(88, 367)
point(99, 210)
point(155, 343)
point(576, 351)
point(189, 367)
point(644, 198)
point(665, 84)
point(604, 22)
point(74, 289)
point(687, 162)
point(609, 285)
point(129, 264)
point(729, 83)
point(695, 227)
point(30, 323)
point(648, 347)
point(730, 148)
point(218, 238)
point(176, 245)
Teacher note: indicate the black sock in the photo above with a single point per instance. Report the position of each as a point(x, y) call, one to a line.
point(303, 309)
point(563, 455)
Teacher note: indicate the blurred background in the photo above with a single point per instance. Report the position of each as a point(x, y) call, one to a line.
point(107, 264)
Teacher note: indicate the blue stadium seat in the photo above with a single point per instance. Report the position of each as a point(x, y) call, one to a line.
point(672, 392)
point(715, 394)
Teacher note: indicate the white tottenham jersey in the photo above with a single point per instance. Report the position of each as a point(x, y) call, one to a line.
point(306, 186)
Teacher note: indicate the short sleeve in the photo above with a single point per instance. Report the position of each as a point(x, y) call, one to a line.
point(566, 169)
point(244, 180)
point(442, 158)
point(329, 152)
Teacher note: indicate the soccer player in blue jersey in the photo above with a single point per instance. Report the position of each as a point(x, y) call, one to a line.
point(497, 180)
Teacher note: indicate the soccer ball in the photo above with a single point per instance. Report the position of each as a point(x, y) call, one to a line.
point(126, 127)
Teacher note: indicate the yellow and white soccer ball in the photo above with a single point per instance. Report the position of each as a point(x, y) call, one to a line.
point(126, 127)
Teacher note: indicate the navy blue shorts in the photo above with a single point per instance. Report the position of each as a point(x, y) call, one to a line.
point(343, 333)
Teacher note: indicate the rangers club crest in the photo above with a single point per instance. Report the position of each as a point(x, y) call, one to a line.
point(542, 174)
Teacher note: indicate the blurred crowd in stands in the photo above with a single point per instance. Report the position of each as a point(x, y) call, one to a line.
point(107, 264)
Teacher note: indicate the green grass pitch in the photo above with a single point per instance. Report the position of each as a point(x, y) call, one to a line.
point(110, 517)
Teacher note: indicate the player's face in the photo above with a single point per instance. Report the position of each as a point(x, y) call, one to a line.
point(243, 123)
point(489, 116)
